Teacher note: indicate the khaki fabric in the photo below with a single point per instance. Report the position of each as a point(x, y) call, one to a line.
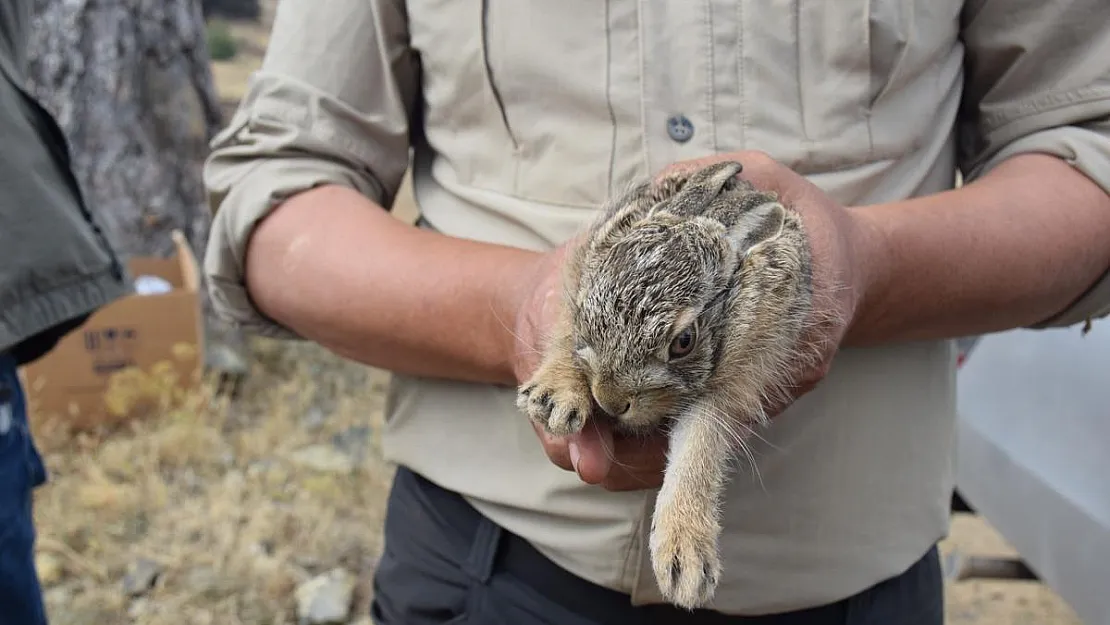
point(523, 116)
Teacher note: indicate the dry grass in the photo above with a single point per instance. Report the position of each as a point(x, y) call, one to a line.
point(212, 492)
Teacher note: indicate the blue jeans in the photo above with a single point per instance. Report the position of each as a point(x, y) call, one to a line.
point(21, 470)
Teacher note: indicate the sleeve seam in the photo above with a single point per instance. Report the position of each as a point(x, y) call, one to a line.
point(1044, 103)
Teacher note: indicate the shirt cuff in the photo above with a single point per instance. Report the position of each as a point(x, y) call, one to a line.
point(1087, 149)
point(251, 191)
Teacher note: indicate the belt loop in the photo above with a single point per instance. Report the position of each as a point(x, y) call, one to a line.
point(483, 552)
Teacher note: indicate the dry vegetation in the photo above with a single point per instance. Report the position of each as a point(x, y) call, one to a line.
point(238, 503)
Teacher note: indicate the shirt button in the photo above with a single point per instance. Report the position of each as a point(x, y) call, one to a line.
point(680, 128)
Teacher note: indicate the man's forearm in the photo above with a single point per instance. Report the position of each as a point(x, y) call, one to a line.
point(1009, 250)
point(339, 270)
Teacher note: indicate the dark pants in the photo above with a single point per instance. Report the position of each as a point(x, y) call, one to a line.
point(444, 563)
point(21, 470)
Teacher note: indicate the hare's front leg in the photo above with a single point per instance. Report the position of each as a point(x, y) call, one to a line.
point(685, 526)
point(557, 396)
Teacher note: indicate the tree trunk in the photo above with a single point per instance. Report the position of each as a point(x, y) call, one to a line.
point(130, 84)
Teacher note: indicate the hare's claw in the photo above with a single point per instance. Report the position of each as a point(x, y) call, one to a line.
point(684, 557)
point(557, 399)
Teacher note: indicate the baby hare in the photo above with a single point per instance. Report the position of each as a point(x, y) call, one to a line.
point(682, 309)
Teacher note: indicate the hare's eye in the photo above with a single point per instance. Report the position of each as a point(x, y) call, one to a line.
point(683, 344)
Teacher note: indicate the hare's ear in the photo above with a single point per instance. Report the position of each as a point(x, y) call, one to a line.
point(702, 186)
point(755, 227)
point(715, 176)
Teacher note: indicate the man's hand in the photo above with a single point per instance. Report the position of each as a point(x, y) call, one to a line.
point(843, 254)
point(597, 454)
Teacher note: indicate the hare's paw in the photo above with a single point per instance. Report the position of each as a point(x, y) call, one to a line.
point(556, 398)
point(684, 556)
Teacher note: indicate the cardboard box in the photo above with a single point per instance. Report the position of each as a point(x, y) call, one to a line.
point(135, 356)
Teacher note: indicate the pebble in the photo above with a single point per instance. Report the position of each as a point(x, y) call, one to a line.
point(326, 599)
point(314, 419)
point(354, 441)
point(140, 577)
point(202, 581)
point(323, 458)
point(49, 568)
point(138, 608)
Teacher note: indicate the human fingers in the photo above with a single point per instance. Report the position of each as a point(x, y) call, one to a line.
point(588, 453)
point(638, 463)
point(615, 462)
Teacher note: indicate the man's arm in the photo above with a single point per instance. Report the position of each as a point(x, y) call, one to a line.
point(1011, 249)
point(302, 245)
point(339, 270)
point(1027, 241)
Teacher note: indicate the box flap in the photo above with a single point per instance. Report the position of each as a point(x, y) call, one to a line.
point(187, 262)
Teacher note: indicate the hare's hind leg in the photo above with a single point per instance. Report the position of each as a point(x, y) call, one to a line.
point(685, 525)
point(557, 396)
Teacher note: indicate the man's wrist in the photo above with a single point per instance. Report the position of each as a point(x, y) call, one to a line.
point(871, 250)
point(509, 299)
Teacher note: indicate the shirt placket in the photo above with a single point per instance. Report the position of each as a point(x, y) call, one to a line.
point(690, 107)
point(678, 81)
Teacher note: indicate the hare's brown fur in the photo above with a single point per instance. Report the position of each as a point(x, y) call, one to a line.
point(699, 254)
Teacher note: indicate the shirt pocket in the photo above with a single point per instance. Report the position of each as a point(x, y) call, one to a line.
point(835, 83)
point(547, 64)
point(916, 69)
point(813, 70)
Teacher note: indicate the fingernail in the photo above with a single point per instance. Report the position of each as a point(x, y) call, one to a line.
point(575, 454)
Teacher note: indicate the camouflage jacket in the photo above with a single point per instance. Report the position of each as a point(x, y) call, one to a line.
point(56, 266)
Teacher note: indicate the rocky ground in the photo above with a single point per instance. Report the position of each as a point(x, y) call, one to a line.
point(267, 509)
point(251, 511)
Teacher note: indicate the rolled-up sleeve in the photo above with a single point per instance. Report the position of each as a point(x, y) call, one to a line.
point(1038, 80)
point(330, 104)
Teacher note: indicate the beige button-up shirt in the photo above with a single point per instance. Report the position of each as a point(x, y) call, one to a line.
point(523, 116)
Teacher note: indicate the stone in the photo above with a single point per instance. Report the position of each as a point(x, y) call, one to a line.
point(323, 458)
point(49, 568)
point(354, 442)
point(58, 595)
point(326, 599)
point(141, 576)
point(314, 419)
point(203, 580)
point(139, 608)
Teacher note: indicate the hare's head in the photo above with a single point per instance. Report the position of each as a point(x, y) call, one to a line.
point(657, 285)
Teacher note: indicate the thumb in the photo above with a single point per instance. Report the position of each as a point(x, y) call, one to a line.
point(591, 452)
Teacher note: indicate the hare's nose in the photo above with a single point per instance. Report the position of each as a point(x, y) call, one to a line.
point(614, 406)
